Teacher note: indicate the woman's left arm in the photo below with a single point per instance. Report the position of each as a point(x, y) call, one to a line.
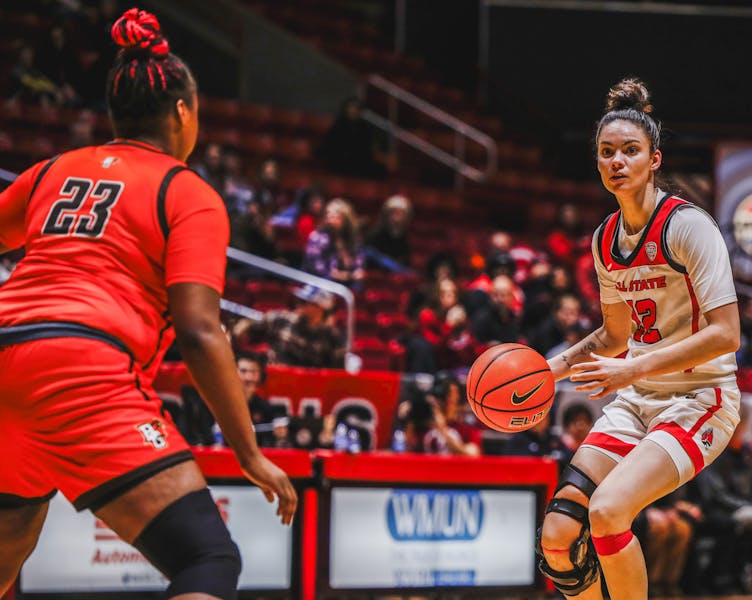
point(721, 336)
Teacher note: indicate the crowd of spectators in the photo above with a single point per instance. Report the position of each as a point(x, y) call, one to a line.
point(68, 64)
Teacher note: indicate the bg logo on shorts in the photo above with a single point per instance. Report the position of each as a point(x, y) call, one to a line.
point(154, 434)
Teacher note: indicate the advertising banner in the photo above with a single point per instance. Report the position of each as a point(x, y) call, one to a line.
point(370, 397)
point(78, 553)
point(391, 538)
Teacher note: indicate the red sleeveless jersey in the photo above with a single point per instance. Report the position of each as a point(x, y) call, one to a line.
point(106, 229)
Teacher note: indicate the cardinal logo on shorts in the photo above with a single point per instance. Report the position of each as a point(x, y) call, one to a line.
point(651, 249)
point(154, 434)
point(707, 437)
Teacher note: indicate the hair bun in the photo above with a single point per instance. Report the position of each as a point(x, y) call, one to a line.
point(137, 32)
point(629, 93)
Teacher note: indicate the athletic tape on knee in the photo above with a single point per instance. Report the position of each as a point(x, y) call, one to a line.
point(611, 544)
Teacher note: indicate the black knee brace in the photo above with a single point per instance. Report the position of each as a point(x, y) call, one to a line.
point(582, 554)
point(189, 543)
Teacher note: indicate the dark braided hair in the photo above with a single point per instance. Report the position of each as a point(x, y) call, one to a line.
point(146, 80)
point(629, 100)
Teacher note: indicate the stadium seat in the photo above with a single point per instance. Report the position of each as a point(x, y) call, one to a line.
point(386, 299)
point(373, 352)
point(268, 292)
point(294, 149)
point(259, 144)
point(391, 325)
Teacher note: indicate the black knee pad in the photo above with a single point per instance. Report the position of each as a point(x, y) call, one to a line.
point(582, 554)
point(189, 543)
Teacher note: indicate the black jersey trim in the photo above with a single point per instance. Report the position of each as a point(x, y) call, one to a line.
point(9, 501)
point(18, 334)
point(42, 173)
point(162, 331)
point(97, 497)
point(601, 232)
point(616, 255)
point(162, 197)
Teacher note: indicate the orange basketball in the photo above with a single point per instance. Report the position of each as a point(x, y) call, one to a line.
point(510, 387)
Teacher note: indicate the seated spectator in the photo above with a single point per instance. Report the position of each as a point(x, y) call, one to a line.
point(268, 193)
point(413, 419)
point(311, 209)
point(576, 422)
point(443, 339)
point(665, 530)
point(562, 241)
point(479, 290)
point(350, 145)
point(252, 232)
point(572, 334)
point(586, 280)
point(539, 293)
point(281, 433)
point(539, 440)
point(553, 329)
point(303, 337)
point(81, 130)
point(6, 268)
point(744, 354)
point(253, 373)
point(333, 251)
point(498, 322)
point(210, 167)
point(449, 434)
point(522, 254)
point(58, 61)
point(236, 189)
point(387, 245)
point(326, 435)
point(439, 267)
point(199, 420)
point(310, 431)
point(98, 51)
point(29, 84)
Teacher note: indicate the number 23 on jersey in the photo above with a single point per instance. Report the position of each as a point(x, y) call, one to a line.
point(72, 215)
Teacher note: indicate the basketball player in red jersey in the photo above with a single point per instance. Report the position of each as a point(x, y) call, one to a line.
point(668, 298)
point(124, 245)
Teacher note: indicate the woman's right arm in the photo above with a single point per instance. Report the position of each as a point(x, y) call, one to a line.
point(610, 339)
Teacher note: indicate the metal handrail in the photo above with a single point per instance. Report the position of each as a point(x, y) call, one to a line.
point(286, 272)
point(240, 310)
point(462, 130)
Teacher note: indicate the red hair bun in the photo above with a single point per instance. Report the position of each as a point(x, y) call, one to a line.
point(137, 33)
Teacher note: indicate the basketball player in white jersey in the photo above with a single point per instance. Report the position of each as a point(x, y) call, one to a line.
point(668, 298)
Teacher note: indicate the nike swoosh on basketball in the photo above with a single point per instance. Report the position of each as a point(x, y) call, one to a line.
point(516, 399)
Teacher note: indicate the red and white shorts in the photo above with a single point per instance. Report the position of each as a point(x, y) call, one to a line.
point(76, 418)
point(692, 427)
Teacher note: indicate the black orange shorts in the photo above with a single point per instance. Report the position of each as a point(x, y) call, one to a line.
point(74, 417)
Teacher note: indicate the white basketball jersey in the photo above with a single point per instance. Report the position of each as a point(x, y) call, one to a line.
point(668, 297)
